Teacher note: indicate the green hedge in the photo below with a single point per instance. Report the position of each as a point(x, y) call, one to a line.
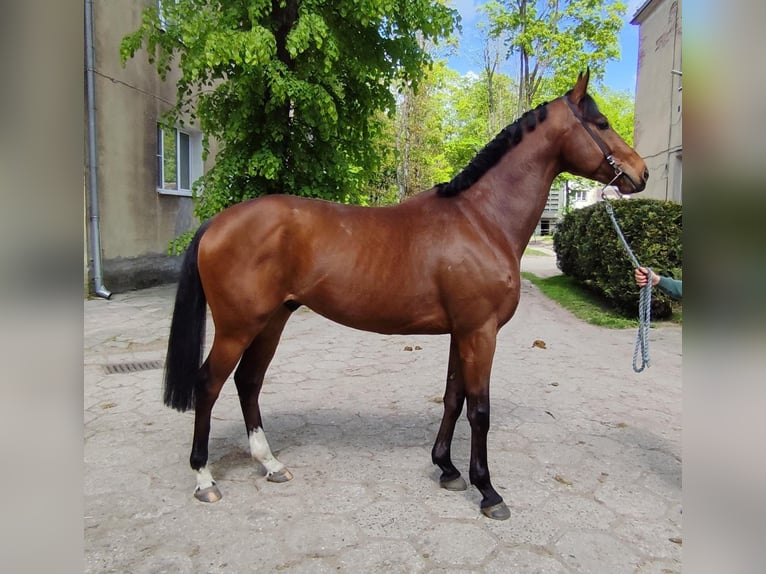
point(589, 250)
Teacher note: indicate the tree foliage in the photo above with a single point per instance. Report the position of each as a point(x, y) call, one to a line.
point(443, 125)
point(290, 89)
point(420, 122)
point(619, 107)
point(480, 107)
point(554, 40)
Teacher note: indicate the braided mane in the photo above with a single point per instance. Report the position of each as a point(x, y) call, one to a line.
point(492, 152)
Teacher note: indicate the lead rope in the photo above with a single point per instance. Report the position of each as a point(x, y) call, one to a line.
point(644, 299)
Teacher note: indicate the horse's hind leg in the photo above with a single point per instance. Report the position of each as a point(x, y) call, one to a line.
point(454, 396)
point(223, 356)
point(249, 380)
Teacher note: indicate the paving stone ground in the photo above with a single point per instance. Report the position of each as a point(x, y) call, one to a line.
point(586, 453)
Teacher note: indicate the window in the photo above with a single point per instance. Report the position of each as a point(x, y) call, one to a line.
point(553, 201)
point(580, 195)
point(178, 160)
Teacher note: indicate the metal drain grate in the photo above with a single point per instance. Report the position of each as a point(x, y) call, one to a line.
point(132, 367)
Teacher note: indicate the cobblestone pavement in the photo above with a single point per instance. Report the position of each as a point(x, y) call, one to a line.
point(586, 453)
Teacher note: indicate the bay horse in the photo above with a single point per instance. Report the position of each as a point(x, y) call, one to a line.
point(451, 255)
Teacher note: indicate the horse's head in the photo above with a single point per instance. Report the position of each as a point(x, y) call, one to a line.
point(592, 149)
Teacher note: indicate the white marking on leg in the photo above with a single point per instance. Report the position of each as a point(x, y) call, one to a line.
point(204, 478)
point(260, 451)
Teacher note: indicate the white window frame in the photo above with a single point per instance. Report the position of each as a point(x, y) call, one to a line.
point(194, 161)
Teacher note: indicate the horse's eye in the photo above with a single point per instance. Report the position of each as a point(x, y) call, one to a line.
point(602, 124)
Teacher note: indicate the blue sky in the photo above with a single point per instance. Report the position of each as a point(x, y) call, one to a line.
point(620, 75)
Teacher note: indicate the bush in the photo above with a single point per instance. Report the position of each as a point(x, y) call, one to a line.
point(589, 250)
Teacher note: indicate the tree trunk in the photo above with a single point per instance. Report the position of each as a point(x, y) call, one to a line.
point(403, 145)
point(491, 58)
point(522, 58)
point(285, 18)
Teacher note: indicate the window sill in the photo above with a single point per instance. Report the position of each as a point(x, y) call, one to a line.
point(177, 192)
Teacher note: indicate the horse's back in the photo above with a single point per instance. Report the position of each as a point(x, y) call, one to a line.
point(311, 228)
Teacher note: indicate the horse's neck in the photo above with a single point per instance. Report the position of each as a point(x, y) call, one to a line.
point(516, 189)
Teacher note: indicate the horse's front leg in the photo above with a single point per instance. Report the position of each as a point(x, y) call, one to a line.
point(454, 396)
point(476, 352)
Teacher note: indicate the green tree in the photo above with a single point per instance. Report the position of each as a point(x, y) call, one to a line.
point(618, 106)
point(381, 187)
point(443, 125)
point(289, 88)
point(554, 40)
point(479, 106)
point(420, 132)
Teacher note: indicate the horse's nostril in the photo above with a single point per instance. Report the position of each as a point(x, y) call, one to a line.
point(646, 174)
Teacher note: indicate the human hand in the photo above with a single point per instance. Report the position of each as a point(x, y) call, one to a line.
point(642, 274)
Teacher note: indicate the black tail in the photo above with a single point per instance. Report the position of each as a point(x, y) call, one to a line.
point(187, 332)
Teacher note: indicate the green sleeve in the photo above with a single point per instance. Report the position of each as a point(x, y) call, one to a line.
point(670, 286)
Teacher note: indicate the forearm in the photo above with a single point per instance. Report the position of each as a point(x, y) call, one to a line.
point(672, 287)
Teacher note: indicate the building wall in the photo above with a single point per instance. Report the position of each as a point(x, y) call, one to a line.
point(137, 222)
point(657, 134)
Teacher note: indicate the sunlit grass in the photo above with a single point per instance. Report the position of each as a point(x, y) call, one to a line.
point(531, 251)
point(584, 304)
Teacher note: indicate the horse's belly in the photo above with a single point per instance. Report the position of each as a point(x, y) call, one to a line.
point(392, 315)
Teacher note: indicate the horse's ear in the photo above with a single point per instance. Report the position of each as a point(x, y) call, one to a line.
point(581, 87)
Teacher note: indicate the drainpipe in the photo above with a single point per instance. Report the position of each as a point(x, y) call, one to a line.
point(93, 217)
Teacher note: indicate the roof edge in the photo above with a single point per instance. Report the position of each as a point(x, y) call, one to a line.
point(638, 13)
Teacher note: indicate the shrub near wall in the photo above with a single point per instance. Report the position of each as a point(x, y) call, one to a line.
point(589, 250)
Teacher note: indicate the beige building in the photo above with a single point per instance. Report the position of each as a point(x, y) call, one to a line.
point(138, 184)
point(657, 135)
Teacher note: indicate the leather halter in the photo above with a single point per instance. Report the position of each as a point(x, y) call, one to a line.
point(599, 142)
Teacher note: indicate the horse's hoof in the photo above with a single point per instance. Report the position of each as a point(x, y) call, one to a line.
point(209, 494)
point(497, 511)
point(455, 484)
point(282, 475)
